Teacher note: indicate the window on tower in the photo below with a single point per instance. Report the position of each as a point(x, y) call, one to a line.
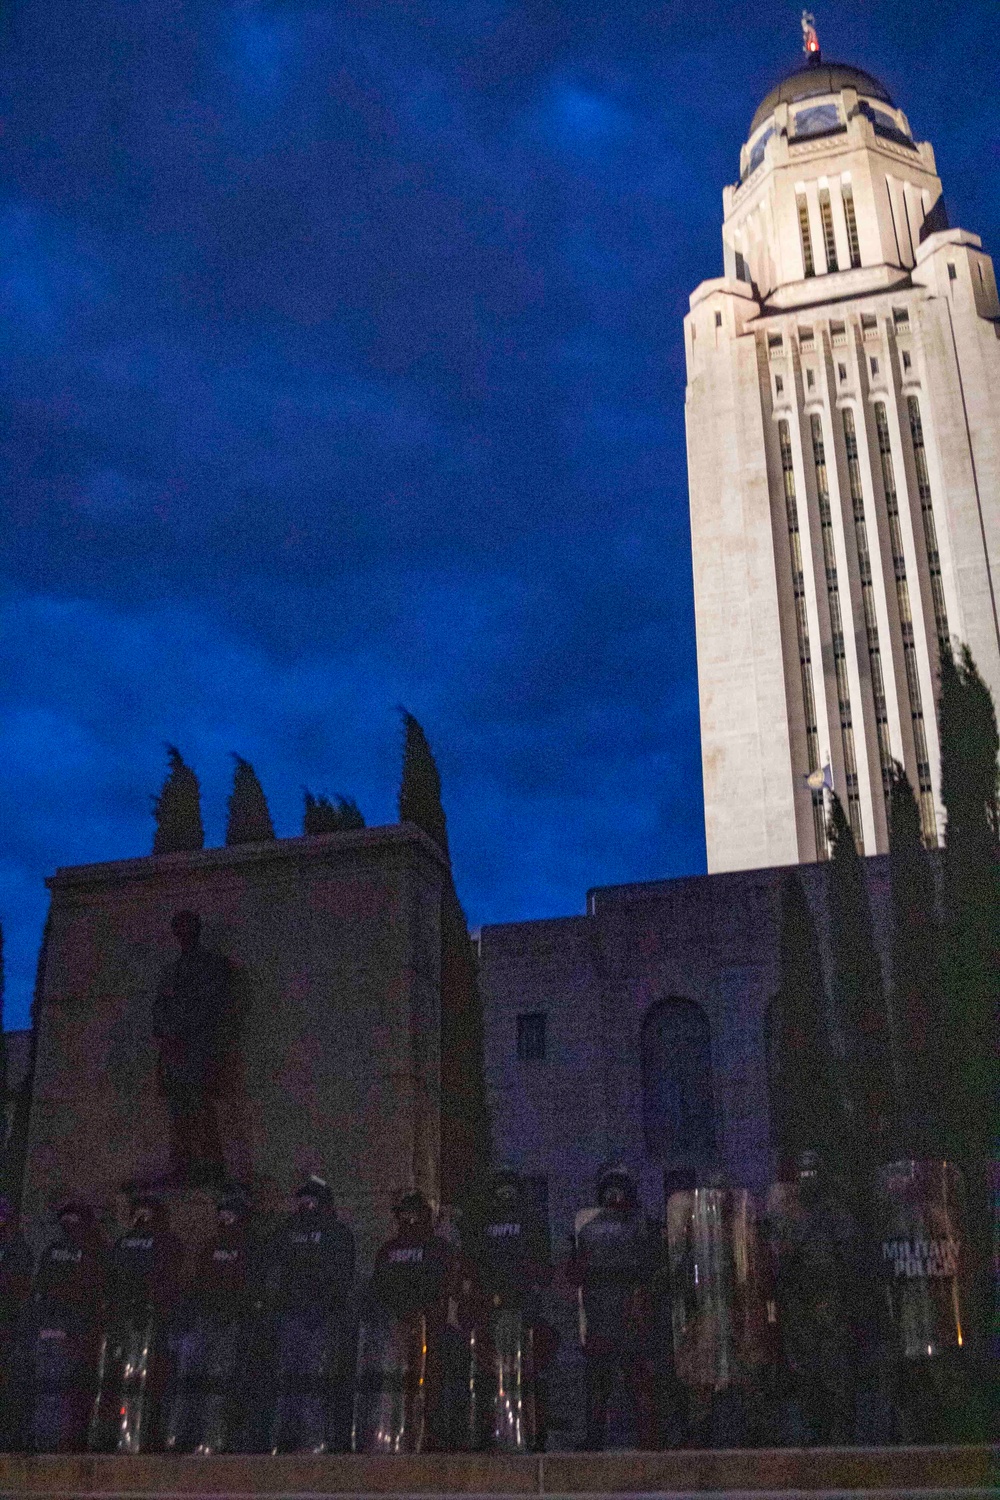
point(850, 219)
point(779, 385)
point(874, 365)
point(808, 264)
point(829, 240)
point(810, 378)
point(907, 361)
point(841, 372)
point(819, 119)
point(757, 150)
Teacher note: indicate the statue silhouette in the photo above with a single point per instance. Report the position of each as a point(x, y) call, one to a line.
point(195, 1021)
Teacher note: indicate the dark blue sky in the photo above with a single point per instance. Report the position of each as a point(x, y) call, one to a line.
point(340, 367)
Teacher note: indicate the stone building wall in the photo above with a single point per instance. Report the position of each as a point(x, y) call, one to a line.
point(711, 939)
point(338, 943)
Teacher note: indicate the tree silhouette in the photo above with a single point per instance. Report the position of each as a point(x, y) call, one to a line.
point(802, 1072)
point(859, 1000)
point(249, 820)
point(916, 1019)
point(323, 816)
point(420, 787)
point(4, 1082)
point(178, 809)
point(971, 959)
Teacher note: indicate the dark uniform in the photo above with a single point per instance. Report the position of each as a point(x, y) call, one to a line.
point(310, 1277)
point(615, 1263)
point(62, 1334)
point(144, 1289)
point(216, 1367)
point(15, 1286)
point(819, 1279)
point(507, 1258)
point(403, 1350)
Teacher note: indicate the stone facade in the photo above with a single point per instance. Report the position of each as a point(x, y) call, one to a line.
point(713, 940)
point(844, 472)
point(338, 942)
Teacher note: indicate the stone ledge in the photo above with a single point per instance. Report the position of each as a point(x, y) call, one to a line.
point(775, 1471)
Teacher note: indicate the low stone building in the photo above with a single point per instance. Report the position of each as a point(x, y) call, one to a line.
point(637, 1032)
point(344, 950)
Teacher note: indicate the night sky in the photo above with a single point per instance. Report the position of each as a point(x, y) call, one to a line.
point(341, 366)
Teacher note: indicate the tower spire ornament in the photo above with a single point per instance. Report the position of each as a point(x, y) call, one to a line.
point(810, 41)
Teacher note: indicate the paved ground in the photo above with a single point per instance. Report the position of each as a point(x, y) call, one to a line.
point(749, 1474)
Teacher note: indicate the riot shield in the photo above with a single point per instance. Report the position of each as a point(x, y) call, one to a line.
point(921, 1206)
point(128, 1386)
point(187, 1358)
point(501, 1385)
point(390, 1387)
point(718, 1314)
point(61, 1358)
point(310, 1382)
point(209, 1408)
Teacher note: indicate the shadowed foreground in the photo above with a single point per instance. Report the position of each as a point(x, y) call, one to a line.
point(787, 1471)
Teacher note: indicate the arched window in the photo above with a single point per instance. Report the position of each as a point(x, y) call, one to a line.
point(677, 1102)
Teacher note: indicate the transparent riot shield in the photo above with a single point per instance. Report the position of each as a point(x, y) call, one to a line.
point(125, 1413)
point(61, 1370)
point(209, 1406)
point(921, 1207)
point(309, 1394)
point(501, 1383)
point(718, 1308)
point(187, 1349)
point(390, 1388)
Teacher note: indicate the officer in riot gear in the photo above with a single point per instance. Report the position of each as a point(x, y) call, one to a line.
point(615, 1262)
point(310, 1278)
point(15, 1285)
point(146, 1266)
point(508, 1261)
point(403, 1344)
point(62, 1334)
point(216, 1355)
point(819, 1274)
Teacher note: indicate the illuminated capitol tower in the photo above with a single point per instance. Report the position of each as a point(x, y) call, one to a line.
point(843, 432)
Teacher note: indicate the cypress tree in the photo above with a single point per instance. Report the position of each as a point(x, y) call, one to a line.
point(860, 1006)
point(323, 816)
point(420, 788)
point(178, 809)
point(969, 747)
point(917, 1034)
point(805, 1112)
point(4, 1121)
point(465, 1123)
point(249, 819)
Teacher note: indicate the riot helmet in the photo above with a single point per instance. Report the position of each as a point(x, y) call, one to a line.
point(233, 1207)
point(412, 1211)
point(314, 1195)
point(145, 1210)
point(616, 1187)
point(506, 1185)
point(810, 1174)
point(76, 1220)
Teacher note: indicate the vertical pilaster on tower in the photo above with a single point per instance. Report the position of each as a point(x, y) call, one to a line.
point(843, 443)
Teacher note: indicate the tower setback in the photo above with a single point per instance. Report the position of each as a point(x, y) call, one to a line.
point(843, 435)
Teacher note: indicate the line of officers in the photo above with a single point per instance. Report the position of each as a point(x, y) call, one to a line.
point(269, 1347)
